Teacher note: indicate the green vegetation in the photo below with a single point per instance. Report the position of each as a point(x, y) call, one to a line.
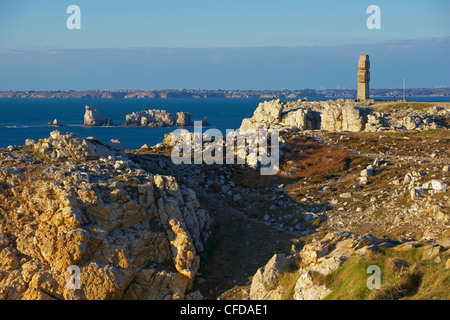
point(404, 275)
point(417, 106)
point(349, 281)
point(287, 282)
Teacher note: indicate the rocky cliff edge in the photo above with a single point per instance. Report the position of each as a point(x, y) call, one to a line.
point(68, 202)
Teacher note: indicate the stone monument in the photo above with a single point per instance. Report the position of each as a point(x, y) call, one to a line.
point(363, 77)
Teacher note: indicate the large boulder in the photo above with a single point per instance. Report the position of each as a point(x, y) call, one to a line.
point(265, 281)
point(93, 118)
point(337, 118)
point(126, 233)
point(317, 259)
point(71, 147)
point(340, 115)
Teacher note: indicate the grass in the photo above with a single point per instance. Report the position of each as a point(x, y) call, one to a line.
point(431, 133)
point(403, 276)
point(401, 105)
point(287, 282)
point(349, 281)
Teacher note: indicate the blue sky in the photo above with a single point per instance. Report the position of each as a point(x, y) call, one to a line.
point(228, 44)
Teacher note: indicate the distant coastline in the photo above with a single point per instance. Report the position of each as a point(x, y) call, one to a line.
point(219, 94)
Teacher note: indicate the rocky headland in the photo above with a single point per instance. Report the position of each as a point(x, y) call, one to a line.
point(360, 184)
point(346, 115)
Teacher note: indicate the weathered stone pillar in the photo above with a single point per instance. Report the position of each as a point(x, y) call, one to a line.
point(363, 77)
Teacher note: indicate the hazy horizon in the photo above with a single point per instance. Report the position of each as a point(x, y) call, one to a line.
point(252, 45)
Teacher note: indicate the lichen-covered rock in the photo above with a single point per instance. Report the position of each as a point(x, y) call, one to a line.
point(71, 147)
point(122, 226)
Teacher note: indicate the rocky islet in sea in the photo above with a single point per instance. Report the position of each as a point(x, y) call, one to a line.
point(145, 118)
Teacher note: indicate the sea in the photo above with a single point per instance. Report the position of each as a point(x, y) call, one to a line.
point(22, 119)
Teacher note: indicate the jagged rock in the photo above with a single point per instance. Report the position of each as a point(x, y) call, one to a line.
point(70, 146)
point(132, 236)
point(320, 257)
point(303, 119)
point(306, 290)
point(55, 123)
point(337, 118)
point(416, 192)
point(205, 122)
point(242, 155)
point(325, 256)
point(159, 118)
point(339, 115)
point(346, 195)
point(266, 279)
point(438, 185)
point(366, 172)
point(277, 113)
point(329, 116)
point(431, 251)
point(93, 118)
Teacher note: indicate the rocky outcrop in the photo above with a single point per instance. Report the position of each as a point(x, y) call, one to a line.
point(55, 123)
point(93, 118)
point(205, 122)
point(159, 118)
point(71, 147)
point(132, 234)
point(317, 259)
point(337, 118)
point(237, 146)
point(320, 258)
point(341, 115)
point(265, 281)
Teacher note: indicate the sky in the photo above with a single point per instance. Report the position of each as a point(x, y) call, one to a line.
point(221, 44)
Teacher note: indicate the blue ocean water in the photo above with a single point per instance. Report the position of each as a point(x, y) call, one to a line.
point(23, 119)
